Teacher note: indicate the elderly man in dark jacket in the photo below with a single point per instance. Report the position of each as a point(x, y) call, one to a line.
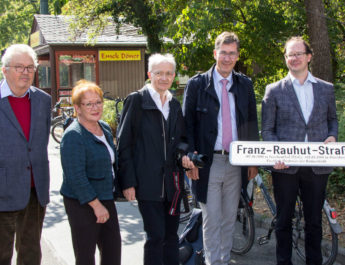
point(150, 130)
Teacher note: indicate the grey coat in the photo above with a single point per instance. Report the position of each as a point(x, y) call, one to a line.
point(18, 156)
point(282, 117)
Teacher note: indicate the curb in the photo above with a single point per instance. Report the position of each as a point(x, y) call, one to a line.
point(261, 221)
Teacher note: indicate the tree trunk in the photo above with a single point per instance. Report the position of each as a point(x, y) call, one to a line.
point(321, 63)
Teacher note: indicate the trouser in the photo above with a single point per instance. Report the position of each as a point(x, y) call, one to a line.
point(87, 234)
point(220, 211)
point(161, 246)
point(27, 225)
point(312, 189)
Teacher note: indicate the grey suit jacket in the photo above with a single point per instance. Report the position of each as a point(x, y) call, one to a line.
point(18, 156)
point(282, 117)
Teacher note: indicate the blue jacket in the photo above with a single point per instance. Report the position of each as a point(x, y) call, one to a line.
point(201, 107)
point(19, 156)
point(86, 164)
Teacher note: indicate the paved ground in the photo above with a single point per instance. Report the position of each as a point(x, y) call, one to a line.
point(56, 240)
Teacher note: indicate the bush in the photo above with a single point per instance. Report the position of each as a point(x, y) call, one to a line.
point(109, 114)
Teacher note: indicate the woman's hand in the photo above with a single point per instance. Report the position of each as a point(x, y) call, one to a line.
point(100, 211)
point(129, 194)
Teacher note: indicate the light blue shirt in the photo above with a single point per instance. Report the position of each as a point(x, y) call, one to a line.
point(305, 95)
point(5, 90)
point(218, 87)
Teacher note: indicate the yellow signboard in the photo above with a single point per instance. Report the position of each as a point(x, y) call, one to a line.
point(119, 55)
point(35, 39)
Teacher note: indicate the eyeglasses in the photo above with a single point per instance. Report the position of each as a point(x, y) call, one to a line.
point(90, 105)
point(160, 74)
point(21, 68)
point(295, 55)
point(232, 55)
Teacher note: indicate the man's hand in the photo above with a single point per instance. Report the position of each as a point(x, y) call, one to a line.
point(187, 163)
point(129, 194)
point(193, 173)
point(280, 165)
point(252, 172)
point(330, 139)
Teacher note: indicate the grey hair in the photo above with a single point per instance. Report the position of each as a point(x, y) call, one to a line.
point(18, 49)
point(158, 58)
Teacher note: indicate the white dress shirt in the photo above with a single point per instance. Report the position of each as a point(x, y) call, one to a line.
point(157, 99)
point(218, 87)
point(305, 95)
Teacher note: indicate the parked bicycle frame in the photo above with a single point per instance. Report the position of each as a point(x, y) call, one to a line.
point(245, 226)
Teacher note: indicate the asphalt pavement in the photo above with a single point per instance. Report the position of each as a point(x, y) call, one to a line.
point(56, 239)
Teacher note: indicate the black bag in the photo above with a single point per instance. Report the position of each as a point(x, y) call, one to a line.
point(190, 242)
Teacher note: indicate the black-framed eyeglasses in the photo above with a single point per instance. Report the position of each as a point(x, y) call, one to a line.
point(21, 68)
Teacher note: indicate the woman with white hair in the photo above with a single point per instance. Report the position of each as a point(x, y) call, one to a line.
point(150, 130)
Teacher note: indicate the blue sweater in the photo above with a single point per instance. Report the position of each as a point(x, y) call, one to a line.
point(86, 164)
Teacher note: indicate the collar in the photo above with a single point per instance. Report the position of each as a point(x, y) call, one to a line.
point(5, 91)
point(217, 77)
point(310, 78)
point(154, 94)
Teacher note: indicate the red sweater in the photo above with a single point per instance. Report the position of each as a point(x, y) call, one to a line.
point(22, 109)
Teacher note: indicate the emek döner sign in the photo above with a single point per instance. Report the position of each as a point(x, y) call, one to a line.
point(117, 55)
point(291, 153)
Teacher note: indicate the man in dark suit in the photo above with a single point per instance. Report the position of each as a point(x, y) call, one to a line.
point(24, 167)
point(219, 107)
point(299, 108)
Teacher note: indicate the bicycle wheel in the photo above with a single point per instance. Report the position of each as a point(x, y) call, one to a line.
point(243, 237)
point(329, 244)
point(57, 132)
point(56, 120)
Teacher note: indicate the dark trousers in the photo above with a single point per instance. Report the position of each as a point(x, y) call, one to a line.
point(161, 246)
point(312, 189)
point(87, 234)
point(27, 225)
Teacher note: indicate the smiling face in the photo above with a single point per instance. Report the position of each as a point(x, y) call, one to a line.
point(296, 58)
point(162, 76)
point(18, 82)
point(91, 107)
point(226, 57)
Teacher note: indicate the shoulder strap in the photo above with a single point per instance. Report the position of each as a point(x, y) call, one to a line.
point(138, 115)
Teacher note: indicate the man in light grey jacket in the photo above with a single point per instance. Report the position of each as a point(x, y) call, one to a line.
point(24, 167)
point(299, 108)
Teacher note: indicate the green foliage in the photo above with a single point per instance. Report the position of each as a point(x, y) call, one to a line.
point(92, 15)
point(109, 114)
point(16, 18)
point(340, 100)
point(336, 183)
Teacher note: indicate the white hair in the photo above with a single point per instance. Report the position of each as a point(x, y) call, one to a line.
point(158, 58)
point(18, 49)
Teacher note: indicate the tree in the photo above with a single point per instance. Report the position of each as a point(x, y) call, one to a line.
point(92, 15)
point(321, 64)
point(15, 21)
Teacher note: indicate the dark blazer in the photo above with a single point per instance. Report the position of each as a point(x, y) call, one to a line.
point(142, 150)
point(18, 156)
point(201, 107)
point(86, 164)
point(282, 117)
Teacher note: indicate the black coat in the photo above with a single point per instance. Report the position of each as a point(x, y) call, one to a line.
point(141, 148)
point(201, 107)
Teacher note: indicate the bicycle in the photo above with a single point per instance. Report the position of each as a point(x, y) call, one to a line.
point(60, 125)
point(245, 228)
